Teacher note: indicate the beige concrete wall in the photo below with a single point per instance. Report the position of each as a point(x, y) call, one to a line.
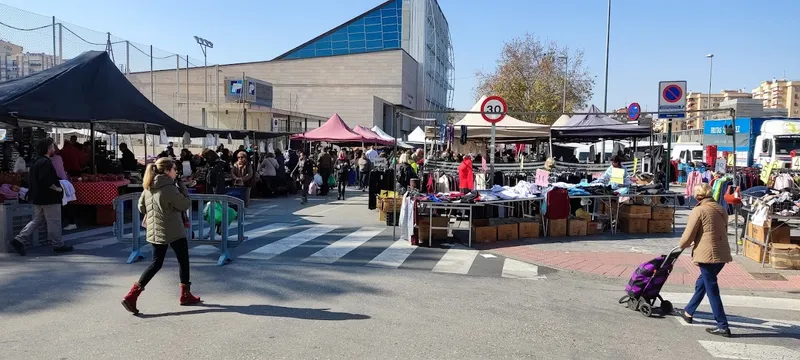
point(345, 84)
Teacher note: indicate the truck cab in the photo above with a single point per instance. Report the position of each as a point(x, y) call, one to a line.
point(777, 140)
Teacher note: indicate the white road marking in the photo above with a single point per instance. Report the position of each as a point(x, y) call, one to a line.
point(342, 247)
point(488, 256)
point(394, 255)
point(757, 302)
point(202, 250)
point(290, 242)
point(515, 269)
point(91, 245)
point(457, 260)
point(771, 325)
point(264, 230)
point(732, 350)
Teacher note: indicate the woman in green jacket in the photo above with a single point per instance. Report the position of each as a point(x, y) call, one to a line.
point(163, 203)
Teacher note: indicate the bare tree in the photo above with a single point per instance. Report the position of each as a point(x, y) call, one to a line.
point(530, 77)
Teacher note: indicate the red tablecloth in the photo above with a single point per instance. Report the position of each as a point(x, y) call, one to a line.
point(97, 193)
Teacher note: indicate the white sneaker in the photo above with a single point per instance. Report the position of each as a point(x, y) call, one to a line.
point(70, 227)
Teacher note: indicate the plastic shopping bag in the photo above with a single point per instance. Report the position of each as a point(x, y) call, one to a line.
point(218, 213)
point(331, 181)
point(312, 189)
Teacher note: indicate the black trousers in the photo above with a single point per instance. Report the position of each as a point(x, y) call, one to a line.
point(181, 249)
point(342, 187)
point(325, 174)
point(364, 181)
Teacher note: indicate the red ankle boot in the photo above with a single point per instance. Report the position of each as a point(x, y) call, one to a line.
point(186, 295)
point(129, 301)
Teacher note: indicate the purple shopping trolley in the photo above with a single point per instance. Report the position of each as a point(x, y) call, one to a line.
point(645, 285)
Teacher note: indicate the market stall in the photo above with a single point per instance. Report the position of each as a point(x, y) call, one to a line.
point(527, 202)
point(772, 212)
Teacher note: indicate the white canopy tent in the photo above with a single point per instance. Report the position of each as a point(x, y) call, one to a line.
point(384, 135)
point(417, 137)
point(509, 127)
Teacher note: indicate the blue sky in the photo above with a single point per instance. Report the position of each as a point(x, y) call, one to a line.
point(650, 40)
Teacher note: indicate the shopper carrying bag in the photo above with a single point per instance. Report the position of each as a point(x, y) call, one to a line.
point(163, 203)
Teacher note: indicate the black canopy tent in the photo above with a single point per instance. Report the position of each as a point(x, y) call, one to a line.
point(86, 90)
point(596, 126)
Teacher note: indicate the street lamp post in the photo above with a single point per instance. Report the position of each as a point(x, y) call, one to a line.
point(710, 69)
point(204, 45)
point(608, 42)
point(564, 94)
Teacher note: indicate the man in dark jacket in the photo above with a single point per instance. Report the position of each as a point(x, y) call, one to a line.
point(215, 173)
point(128, 160)
point(325, 165)
point(45, 194)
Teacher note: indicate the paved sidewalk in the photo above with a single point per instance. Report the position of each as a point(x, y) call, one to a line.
point(622, 264)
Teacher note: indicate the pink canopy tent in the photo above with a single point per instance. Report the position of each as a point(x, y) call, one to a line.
point(370, 136)
point(333, 130)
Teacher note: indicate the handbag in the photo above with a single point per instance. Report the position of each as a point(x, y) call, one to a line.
point(733, 196)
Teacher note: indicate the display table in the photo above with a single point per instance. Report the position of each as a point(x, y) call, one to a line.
point(101, 195)
point(97, 193)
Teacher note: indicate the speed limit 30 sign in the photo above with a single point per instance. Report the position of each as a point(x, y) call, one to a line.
point(494, 109)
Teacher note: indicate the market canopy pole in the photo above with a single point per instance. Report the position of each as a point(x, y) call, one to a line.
point(493, 109)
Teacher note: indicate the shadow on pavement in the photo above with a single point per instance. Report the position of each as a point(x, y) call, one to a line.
point(264, 310)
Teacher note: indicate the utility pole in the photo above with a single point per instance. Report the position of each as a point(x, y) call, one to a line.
point(608, 41)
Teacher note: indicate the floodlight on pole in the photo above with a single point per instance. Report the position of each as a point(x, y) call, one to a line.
point(204, 46)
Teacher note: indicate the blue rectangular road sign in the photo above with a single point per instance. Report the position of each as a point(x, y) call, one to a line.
point(672, 116)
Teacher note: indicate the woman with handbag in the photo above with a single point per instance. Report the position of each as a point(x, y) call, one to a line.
point(164, 202)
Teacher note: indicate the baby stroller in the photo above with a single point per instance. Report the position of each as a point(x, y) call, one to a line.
point(645, 285)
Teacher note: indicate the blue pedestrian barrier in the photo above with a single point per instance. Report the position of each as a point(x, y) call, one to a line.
point(198, 224)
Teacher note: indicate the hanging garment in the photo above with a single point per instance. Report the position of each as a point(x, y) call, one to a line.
point(557, 204)
point(463, 137)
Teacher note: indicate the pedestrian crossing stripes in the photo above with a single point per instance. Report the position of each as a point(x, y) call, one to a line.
point(340, 246)
point(747, 331)
point(732, 350)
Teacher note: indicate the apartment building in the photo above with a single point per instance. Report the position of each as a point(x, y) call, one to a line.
point(15, 63)
point(780, 94)
point(700, 101)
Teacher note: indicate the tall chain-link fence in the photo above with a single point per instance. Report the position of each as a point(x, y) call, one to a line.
point(31, 42)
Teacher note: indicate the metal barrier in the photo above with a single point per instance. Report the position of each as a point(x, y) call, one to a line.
point(196, 223)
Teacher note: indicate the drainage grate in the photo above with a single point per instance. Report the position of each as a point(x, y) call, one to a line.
point(768, 276)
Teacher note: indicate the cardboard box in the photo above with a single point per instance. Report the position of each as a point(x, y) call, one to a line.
point(528, 229)
point(633, 225)
point(785, 256)
point(662, 213)
point(594, 228)
point(508, 230)
point(635, 211)
point(659, 226)
point(780, 233)
point(390, 205)
point(753, 251)
point(557, 227)
point(483, 232)
point(577, 227)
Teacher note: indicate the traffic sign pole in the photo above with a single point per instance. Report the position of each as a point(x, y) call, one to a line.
point(493, 109)
point(491, 164)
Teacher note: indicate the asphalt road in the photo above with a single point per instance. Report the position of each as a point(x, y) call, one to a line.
point(67, 307)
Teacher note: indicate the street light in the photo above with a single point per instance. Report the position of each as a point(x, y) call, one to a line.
point(608, 42)
point(564, 94)
point(710, 68)
point(204, 45)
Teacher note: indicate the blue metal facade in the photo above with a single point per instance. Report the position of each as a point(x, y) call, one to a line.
point(376, 30)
